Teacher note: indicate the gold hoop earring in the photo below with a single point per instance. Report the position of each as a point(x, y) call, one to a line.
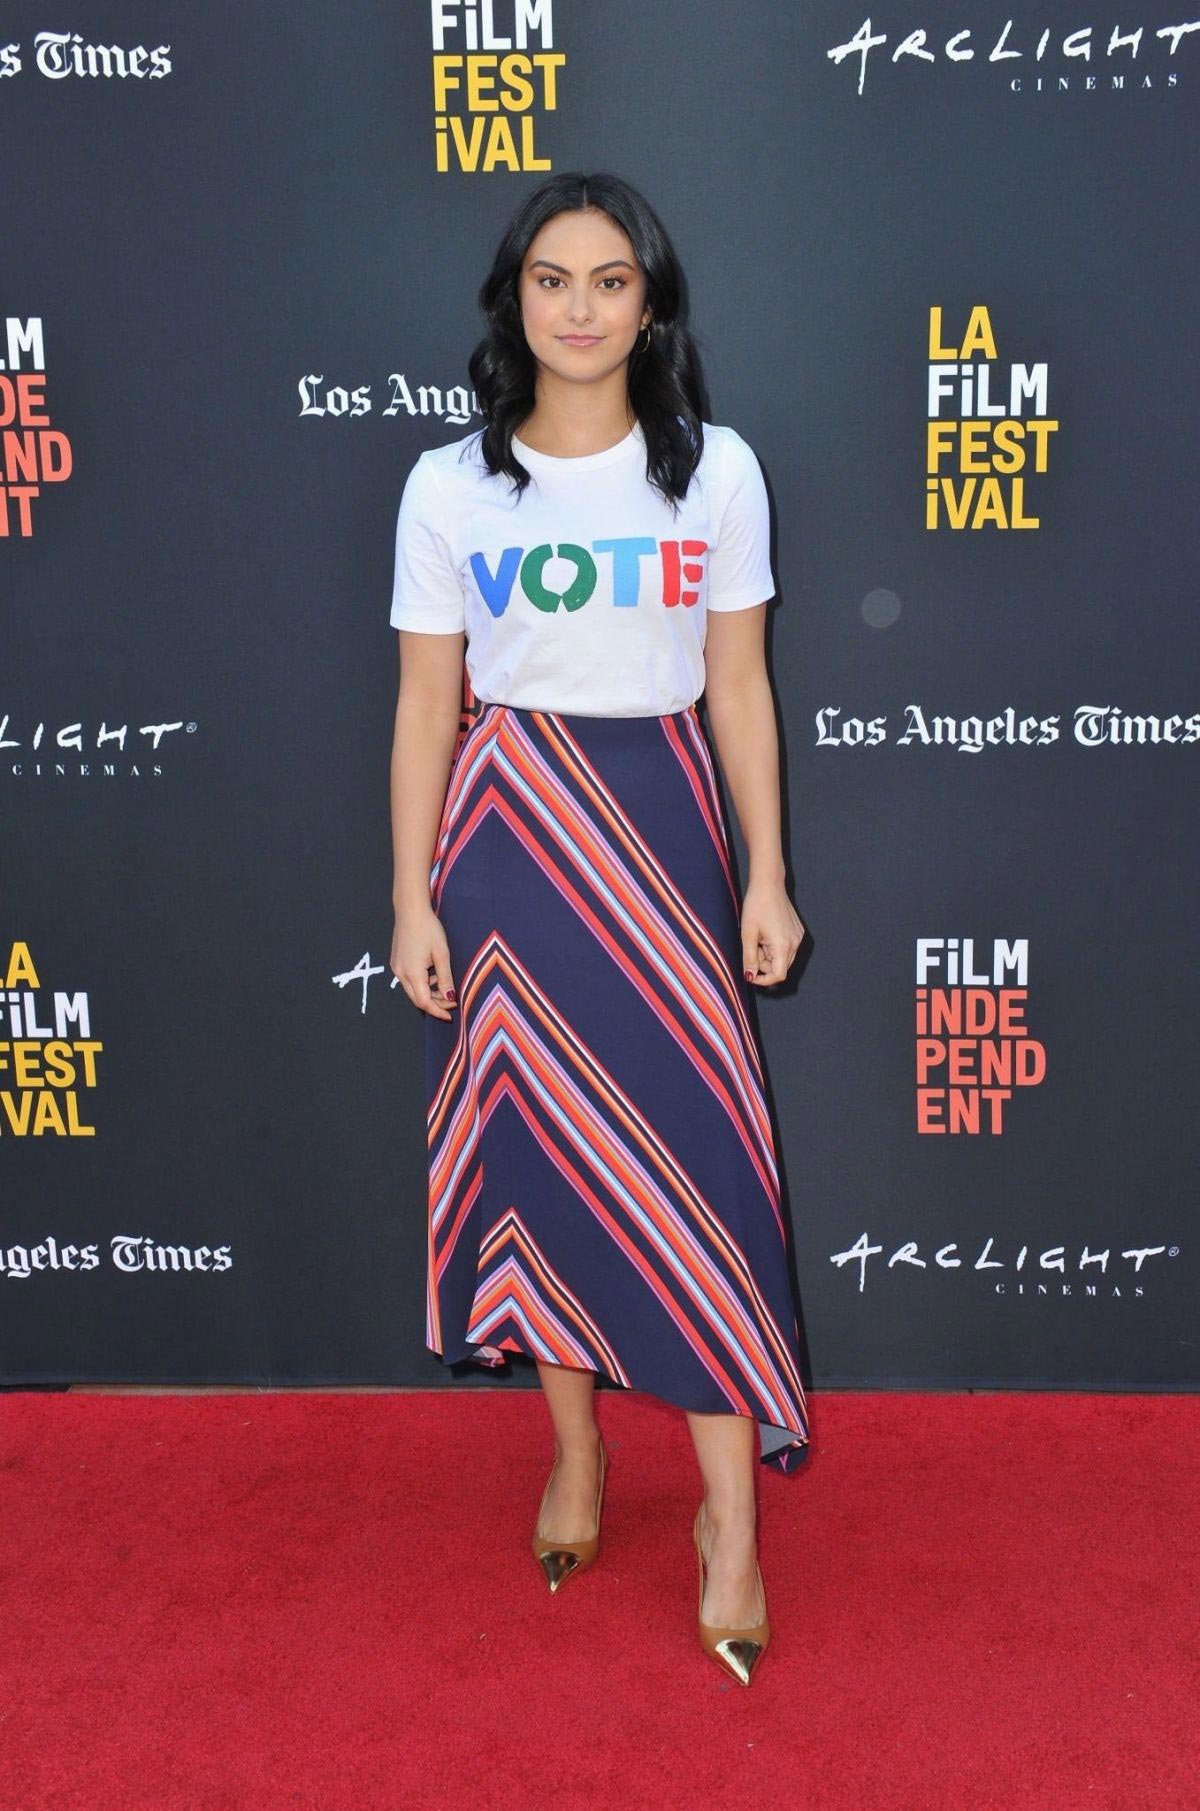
point(646, 347)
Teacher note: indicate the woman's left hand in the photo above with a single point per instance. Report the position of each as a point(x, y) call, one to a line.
point(772, 932)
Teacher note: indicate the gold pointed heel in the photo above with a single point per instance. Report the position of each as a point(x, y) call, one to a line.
point(561, 1560)
point(738, 1651)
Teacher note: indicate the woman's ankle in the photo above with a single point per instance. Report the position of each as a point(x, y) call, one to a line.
point(581, 1445)
point(734, 1518)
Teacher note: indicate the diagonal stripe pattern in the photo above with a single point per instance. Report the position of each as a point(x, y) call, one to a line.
point(603, 1187)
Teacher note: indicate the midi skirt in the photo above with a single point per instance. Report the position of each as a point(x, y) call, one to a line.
point(603, 1190)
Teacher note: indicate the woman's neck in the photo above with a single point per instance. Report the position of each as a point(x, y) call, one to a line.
point(570, 421)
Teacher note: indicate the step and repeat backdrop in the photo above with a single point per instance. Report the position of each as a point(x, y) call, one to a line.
point(942, 263)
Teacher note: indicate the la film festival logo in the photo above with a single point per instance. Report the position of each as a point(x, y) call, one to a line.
point(33, 452)
point(491, 82)
point(982, 440)
point(974, 1048)
point(47, 1058)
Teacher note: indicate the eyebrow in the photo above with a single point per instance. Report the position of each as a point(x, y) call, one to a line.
point(612, 263)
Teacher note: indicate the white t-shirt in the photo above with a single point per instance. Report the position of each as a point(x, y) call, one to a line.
point(587, 595)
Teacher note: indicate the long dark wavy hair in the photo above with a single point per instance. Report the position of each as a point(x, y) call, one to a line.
point(663, 378)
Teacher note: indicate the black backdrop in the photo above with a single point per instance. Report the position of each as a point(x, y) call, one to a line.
point(237, 296)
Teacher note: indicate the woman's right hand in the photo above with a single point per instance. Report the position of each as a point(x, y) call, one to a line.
point(419, 944)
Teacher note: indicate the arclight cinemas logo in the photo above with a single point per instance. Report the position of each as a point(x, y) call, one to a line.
point(1058, 1271)
point(974, 1048)
point(50, 749)
point(1127, 56)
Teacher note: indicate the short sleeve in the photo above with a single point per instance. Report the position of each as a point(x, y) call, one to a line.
point(739, 562)
point(427, 593)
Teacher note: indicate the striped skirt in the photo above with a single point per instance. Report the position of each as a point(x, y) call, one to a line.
point(603, 1190)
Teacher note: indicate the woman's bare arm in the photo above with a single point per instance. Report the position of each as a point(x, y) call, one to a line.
point(428, 711)
point(741, 714)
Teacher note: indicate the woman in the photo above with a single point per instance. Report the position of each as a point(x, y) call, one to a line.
point(603, 1195)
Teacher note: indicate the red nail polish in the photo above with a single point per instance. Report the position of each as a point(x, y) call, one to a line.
point(451, 995)
point(749, 975)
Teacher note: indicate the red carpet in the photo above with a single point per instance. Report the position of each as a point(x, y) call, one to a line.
point(327, 1600)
